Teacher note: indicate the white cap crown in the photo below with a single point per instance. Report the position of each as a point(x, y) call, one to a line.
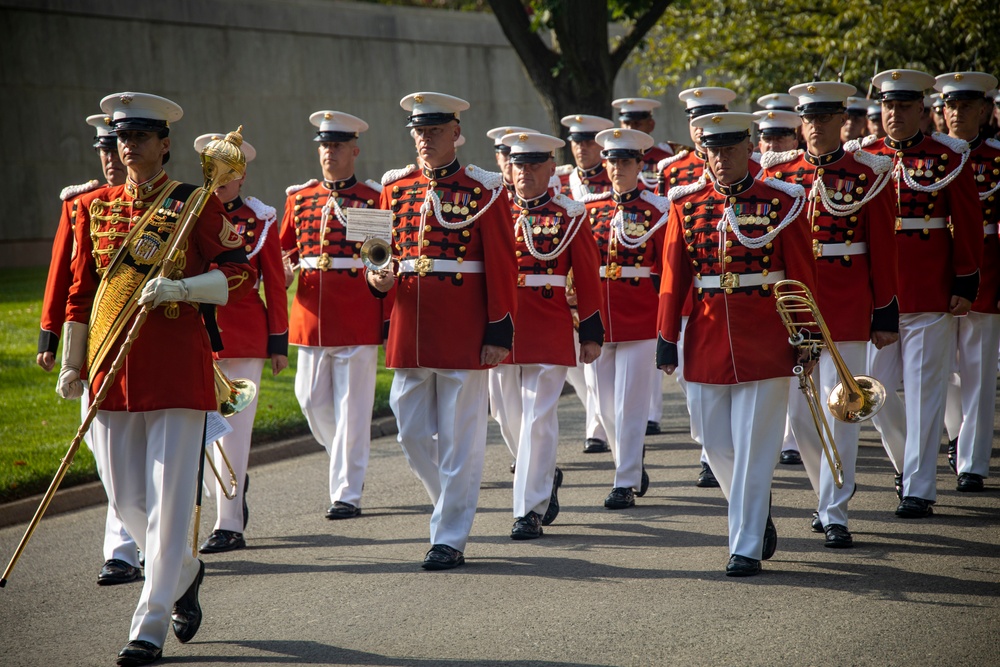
point(199, 144)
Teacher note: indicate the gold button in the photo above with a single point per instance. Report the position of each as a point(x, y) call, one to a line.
point(764, 272)
point(861, 177)
point(775, 202)
point(729, 244)
point(820, 171)
point(426, 243)
point(298, 197)
point(433, 184)
point(853, 218)
point(250, 233)
point(549, 271)
point(476, 190)
point(393, 202)
point(355, 256)
point(250, 220)
point(777, 174)
point(326, 241)
point(248, 248)
point(458, 276)
point(517, 253)
point(371, 202)
point(427, 228)
point(298, 206)
point(295, 219)
point(459, 260)
point(729, 290)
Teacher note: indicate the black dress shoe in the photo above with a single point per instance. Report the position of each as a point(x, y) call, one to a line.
point(595, 446)
point(138, 652)
point(897, 482)
point(653, 428)
point(770, 539)
point(222, 540)
point(186, 616)
point(115, 572)
point(912, 507)
point(442, 557)
point(952, 455)
point(552, 511)
point(817, 525)
point(246, 509)
point(968, 481)
point(790, 457)
point(838, 537)
point(620, 498)
point(528, 527)
point(706, 479)
point(340, 510)
point(513, 467)
point(741, 566)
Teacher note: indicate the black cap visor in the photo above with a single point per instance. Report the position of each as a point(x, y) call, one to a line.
point(723, 139)
point(530, 158)
point(420, 120)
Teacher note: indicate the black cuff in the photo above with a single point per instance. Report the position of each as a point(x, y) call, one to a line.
point(375, 293)
point(656, 282)
point(237, 256)
point(886, 318)
point(385, 330)
point(278, 344)
point(47, 341)
point(666, 353)
point(211, 326)
point(966, 287)
point(591, 330)
point(500, 334)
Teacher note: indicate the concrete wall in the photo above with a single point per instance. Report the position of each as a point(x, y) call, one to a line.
point(266, 64)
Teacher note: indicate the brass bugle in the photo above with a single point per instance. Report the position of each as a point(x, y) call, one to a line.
point(376, 254)
point(233, 395)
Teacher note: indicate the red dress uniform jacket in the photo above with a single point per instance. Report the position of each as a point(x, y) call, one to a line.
point(734, 333)
point(985, 165)
point(170, 363)
point(442, 316)
point(333, 306)
point(584, 182)
point(60, 274)
point(681, 169)
point(629, 275)
point(249, 328)
point(551, 237)
point(855, 293)
point(649, 175)
point(933, 263)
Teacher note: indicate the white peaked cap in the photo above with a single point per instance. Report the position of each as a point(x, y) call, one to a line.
point(204, 140)
point(621, 139)
point(141, 111)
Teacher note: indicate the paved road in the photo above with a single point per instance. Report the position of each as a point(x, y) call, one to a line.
point(640, 587)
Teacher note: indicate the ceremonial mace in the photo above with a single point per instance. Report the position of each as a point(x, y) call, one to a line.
point(222, 161)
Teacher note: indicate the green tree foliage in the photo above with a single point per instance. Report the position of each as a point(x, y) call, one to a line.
point(757, 47)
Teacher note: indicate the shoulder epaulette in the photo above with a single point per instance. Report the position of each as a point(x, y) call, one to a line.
point(667, 161)
point(554, 182)
point(665, 147)
point(868, 141)
point(957, 145)
point(490, 179)
point(877, 163)
point(790, 189)
point(573, 207)
point(374, 185)
point(594, 196)
point(395, 174)
point(852, 145)
point(676, 192)
point(292, 189)
point(755, 157)
point(73, 191)
point(772, 159)
point(661, 203)
point(993, 143)
point(262, 210)
point(564, 170)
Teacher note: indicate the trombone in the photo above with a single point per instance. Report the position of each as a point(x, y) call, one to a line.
point(855, 399)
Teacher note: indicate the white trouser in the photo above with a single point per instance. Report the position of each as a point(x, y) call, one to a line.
point(336, 390)
point(451, 404)
point(656, 397)
point(696, 434)
point(789, 443)
point(743, 426)
point(911, 432)
point(577, 379)
point(832, 505)
point(621, 377)
point(152, 463)
point(118, 544)
point(236, 446)
point(524, 400)
point(971, 400)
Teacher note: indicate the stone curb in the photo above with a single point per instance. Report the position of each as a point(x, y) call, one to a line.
point(92, 493)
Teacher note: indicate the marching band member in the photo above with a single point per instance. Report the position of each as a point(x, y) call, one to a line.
point(149, 431)
point(938, 281)
point(251, 332)
point(628, 224)
point(726, 243)
point(779, 131)
point(856, 125)
point(875, 126)
point(587, 177)
point(850, 217)
point(502, 152)
point(685, 168)
point(552, 236)
point(966, 109)
point(121, 559)
point(335, 322)
point(453, 315)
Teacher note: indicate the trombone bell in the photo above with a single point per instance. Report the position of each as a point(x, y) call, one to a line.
point(233, 395)
point(376, 254)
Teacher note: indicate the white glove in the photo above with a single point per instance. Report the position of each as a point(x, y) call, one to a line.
point(211, 287)
point(74, 351)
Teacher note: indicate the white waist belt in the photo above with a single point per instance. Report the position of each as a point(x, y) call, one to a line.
point(989, 229)
point(625, 272)
point(734, 280)
point(335, 263)
point(540, 280)
point(838, 249)
point(428, 265)
point(909, 224)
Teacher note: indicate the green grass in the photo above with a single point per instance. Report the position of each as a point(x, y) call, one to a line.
point(36, 426)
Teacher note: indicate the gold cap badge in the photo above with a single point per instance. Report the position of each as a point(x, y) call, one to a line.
point(418, 99)
point(895, 76)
